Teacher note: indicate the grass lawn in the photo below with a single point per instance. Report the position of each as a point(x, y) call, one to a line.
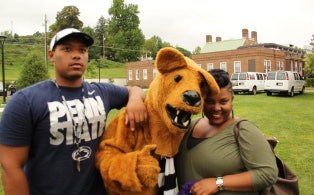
point(291, 121)
point(288, 119)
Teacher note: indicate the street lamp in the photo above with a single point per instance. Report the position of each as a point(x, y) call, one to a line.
point(4, 92)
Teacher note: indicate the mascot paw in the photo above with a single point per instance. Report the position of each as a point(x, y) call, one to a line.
point(147, 166)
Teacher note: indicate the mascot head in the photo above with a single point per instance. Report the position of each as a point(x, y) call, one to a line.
point(176, 92)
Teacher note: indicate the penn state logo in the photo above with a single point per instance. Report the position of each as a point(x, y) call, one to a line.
point(82, 153)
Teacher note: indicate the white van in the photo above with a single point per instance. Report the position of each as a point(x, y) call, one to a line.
point(287, 82)
point(251, 82)
point(1, 88)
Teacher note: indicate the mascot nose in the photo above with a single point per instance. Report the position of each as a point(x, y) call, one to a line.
point(191, 98)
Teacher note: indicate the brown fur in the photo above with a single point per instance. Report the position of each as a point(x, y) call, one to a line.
point(127, 160)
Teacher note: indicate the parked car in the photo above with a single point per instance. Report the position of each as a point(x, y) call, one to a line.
point(251, 82)
point(286, 82)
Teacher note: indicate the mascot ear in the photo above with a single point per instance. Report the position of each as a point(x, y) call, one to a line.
point(210, 80)
point(169, 59)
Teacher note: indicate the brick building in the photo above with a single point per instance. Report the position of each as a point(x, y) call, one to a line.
point(236, 55)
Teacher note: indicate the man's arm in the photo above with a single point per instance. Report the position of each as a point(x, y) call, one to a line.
point(136, 112)
point(12, 160)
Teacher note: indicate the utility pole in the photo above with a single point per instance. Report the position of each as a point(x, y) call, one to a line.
point(12, 30)
point(46, 42)
point(4, 91)
point(103, 46)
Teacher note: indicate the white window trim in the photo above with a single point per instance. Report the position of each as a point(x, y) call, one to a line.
point(137, 74)
point(235, 63)
point(210, 66)
point(223, 64)
point(145, 74)
point(130, 75)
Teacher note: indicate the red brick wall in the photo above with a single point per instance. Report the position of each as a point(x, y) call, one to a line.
point(244, 55)
point(259, 54)
point(140, 65)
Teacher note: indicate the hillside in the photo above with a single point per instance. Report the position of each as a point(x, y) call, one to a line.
point(14, 57)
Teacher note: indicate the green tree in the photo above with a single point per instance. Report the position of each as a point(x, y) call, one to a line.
point(125, 39)
point(100, 34)
point(309, 69)
point(68, 17)
point(309, 65)
point(91, 70)
point(153, 45)
point(197, 50)
point(149, 49)
point(39, 38)
point(33, 71)
point(184, 51)
point(93, 51)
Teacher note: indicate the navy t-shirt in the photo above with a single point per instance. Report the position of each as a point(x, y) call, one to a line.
point(37, 117)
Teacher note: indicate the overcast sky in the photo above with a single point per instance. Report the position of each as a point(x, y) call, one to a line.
point(183, 23)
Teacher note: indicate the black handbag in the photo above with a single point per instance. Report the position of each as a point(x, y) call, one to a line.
point(287, 182)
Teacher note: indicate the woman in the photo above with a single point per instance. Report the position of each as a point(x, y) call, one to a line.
point(210, 161)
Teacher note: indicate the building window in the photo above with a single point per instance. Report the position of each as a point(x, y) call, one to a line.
point(291, 65)
point(154, 73)
point(237, 66)
point(296, 66)
point(130, 75)
point(267, 66)
point(210, 66)
point(137, 74)
point(300, 68)
point(144, 74)
point(223, 66)
point(199, 65)
point(280, 65)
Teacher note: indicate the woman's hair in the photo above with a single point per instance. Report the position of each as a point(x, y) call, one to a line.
point(222, 78)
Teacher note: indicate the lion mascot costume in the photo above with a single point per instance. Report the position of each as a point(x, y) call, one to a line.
point(140, 161)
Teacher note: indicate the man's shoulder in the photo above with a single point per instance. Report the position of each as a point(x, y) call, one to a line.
point(36, 88)
point(105, 86)
point(45, 83)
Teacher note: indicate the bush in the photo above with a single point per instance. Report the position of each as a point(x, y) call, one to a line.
point(33, 71)
point(309, 82)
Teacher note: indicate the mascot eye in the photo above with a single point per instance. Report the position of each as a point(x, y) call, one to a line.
point(177, 78)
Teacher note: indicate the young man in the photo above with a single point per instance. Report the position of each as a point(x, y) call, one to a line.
point(50, 131)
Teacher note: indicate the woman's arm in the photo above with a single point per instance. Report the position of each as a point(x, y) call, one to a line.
point(235, 182)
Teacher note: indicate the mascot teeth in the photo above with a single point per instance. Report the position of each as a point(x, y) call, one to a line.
point(179, 118)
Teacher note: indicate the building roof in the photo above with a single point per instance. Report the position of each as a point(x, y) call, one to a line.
point(274, 46)
point(223, 45)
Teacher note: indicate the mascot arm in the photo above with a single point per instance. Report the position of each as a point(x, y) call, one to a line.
point(131, 171)
point(121, 166)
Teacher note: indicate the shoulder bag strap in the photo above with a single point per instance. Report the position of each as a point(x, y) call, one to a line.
point(236, 130)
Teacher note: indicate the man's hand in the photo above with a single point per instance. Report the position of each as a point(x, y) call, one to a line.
point(136, 113)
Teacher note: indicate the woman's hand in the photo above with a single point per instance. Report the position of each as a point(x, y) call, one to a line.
point(204, 187)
